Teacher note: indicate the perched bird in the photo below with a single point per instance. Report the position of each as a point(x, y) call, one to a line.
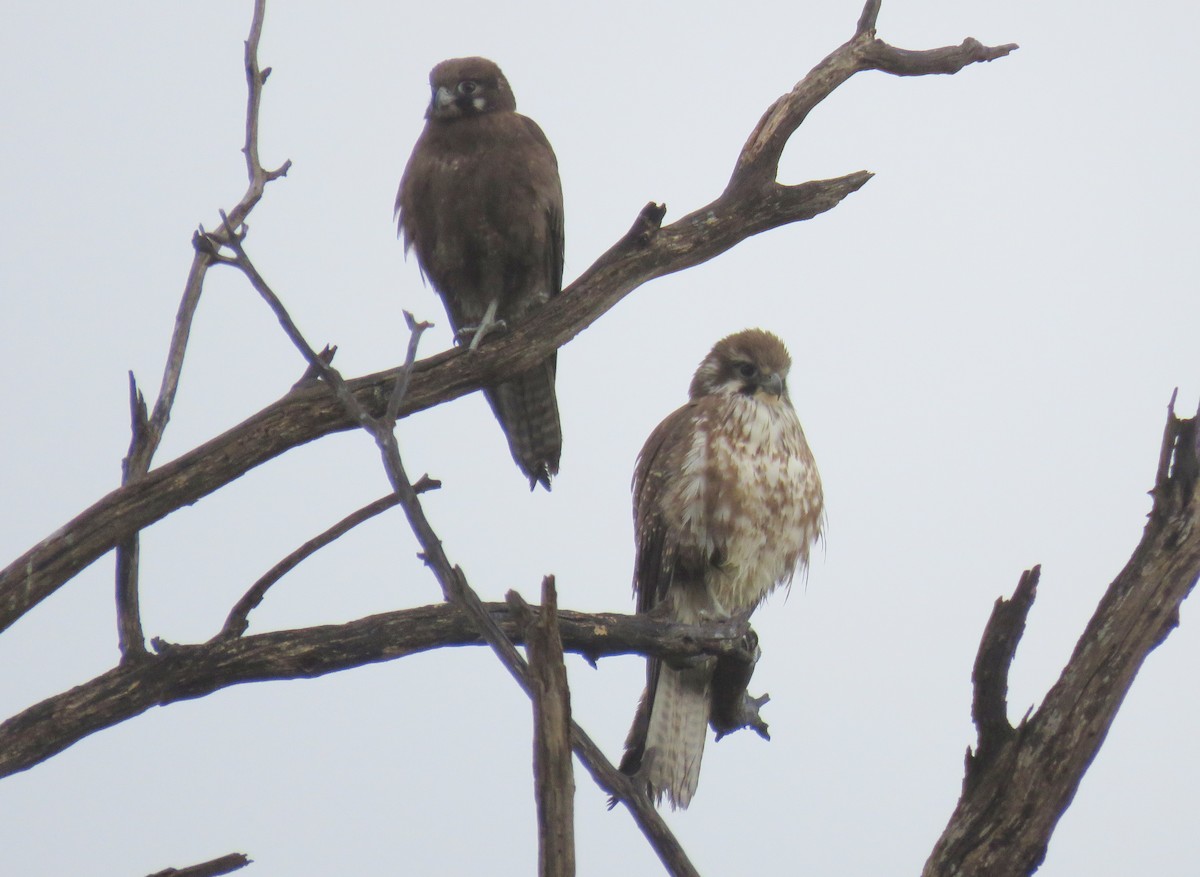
point(481, 203)
point(726, 504)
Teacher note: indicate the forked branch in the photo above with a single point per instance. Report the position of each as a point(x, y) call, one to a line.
point(1019, 781)
point(147, 430)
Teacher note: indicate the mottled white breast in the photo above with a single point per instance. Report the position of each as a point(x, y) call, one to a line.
point(752, 496)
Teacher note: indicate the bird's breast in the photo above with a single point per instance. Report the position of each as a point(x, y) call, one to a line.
point(762, 500)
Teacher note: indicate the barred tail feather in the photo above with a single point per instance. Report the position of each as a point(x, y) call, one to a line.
point(675, 734)
point(528, 413)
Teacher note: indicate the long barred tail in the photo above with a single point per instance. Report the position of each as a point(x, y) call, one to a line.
point(665, 749)
point(528, 413)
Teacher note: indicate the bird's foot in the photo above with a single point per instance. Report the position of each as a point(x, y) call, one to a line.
point(487, 326)
point(472, 336)
point(746, 715)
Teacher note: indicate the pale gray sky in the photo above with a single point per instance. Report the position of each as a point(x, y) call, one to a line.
point(985, 339)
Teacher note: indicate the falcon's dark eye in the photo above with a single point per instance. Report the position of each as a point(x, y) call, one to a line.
point(747, 370)
point(468, 86)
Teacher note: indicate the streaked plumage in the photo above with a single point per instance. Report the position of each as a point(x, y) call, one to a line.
point(481, 204)
point(727, 503)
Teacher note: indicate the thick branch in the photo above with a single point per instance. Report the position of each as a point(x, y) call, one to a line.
point(184, 672)
point(878, 55)
point(1013, 798)
point(212, 868)
point(130, 638)
point(310, 413)
point(989, 709)
point(752, 203)
point(553, 778)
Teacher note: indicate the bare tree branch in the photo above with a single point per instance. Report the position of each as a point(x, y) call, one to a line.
point(148, 430)
point(758, 164)
point(213, 868)
point(184, 672)
point(400, 388)
point(237, 622)
point(553, 778)
point(751, 203)
point(451, 578)
point(866, 21)
point(1021, 780)
point(457, 591)
point(1018, 780)
point(878, 55)
point(204, 258)
point(989, 708)
point(130, 638)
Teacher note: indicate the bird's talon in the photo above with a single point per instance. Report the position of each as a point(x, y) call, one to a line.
point(486, 329)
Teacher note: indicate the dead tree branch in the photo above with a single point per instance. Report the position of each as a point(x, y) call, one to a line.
point(451, 578)
point(185, 672)
point(238, 620)
point(751, 203)
point(989, 707)
point(213, 868)
point(553, 777)
point(147, 430)
point(1019, 781)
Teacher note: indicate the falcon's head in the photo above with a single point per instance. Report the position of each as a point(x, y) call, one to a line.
point(465, 87)
point(752, 362)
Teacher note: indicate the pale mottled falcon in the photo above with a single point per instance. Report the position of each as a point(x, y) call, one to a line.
point(481, 203)
point(726, 504)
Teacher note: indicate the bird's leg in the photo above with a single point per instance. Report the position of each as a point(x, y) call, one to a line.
point(487, 326)
point(745, 714)
point(732, 706)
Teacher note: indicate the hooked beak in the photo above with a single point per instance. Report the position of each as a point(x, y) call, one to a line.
point(772, 384)
point(442, 102)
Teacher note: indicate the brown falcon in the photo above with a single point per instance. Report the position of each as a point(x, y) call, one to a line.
point(481, 203)
point(726, 504)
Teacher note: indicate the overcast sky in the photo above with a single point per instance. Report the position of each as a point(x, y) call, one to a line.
point(985, 339)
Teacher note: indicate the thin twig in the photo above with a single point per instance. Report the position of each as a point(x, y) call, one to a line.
point(255, 78)
point(331, 376)
point(237, 622)
point(148, 430)
point(400, 390)
point(204, 258)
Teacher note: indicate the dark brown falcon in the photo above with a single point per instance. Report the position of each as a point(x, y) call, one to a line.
point(726, 504)
point(481, 203)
